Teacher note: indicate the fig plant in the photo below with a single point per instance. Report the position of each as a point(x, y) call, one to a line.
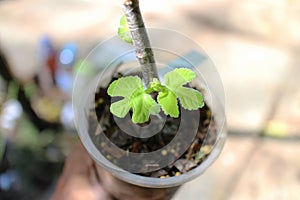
point(138, 96)
point(140, 100)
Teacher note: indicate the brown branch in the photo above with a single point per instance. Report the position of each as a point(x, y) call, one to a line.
point(140, 38)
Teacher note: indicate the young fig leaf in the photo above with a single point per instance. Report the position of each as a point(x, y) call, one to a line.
point(123, 30)
point(168, 102)
point(189, 98)
point(139, 100)
point(135, 98)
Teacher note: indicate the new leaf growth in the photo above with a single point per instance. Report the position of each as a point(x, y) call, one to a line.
point(139, 100)
point(123, 30)
point(135, 96)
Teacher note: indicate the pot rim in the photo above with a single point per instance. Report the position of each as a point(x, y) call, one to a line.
point(144, 181)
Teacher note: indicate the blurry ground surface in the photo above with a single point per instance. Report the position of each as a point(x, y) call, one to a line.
point(255, 45)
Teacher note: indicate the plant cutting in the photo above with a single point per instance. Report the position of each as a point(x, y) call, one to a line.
point(147, 128)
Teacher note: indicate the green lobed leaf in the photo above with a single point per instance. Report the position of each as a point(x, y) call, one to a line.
point(135, 98)
point(125, 86)
point(189, 98)
point(179, 77)
point(142, 106)
point(120, 108)
point(123, 30)
point(168, 101)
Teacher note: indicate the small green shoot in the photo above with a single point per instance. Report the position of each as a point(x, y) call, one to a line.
point(199, 155)
point(123, 30)
point(139, 99)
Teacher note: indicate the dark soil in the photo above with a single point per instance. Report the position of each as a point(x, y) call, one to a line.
point(193, 156)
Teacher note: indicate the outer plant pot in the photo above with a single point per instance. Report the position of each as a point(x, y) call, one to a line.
point(167, 57)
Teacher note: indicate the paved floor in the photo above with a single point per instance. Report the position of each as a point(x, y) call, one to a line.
point(249, 168)
point(255, 46)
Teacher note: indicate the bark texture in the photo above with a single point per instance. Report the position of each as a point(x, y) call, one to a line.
point(140, 39)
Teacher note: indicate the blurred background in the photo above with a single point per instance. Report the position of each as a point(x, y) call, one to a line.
point(255, 45)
